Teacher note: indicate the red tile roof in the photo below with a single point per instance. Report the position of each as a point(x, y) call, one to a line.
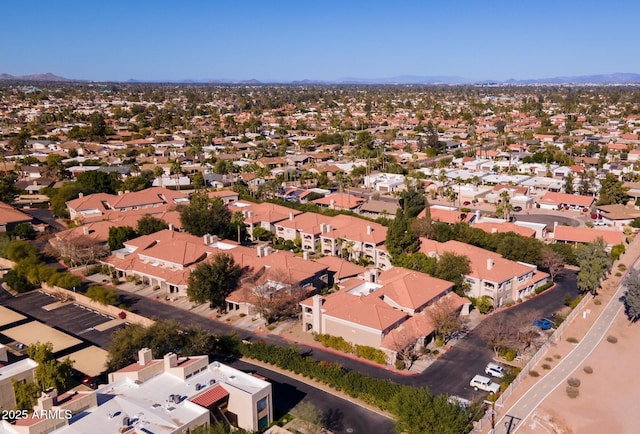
point(211, 396)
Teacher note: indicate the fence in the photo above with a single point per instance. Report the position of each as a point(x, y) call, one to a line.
point(99, 307)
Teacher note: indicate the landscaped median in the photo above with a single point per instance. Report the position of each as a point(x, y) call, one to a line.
point(415, 410)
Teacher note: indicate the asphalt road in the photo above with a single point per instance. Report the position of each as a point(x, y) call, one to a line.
point(339, 415)
point(45, 216)
point(547, 219)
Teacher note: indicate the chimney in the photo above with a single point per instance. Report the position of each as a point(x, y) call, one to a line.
point(489, 264)
point(145, 356)
point(259, 251)
point(305, 255)
point(171, 227)
point(170, 361)
point(494, 230)
point(291, 216)
point(477, 215)
point(81, 195)
point(369, 229)
point(332, 204)
point(47, 399)
point(120, 193)
point(85, 230)
point(126, 192)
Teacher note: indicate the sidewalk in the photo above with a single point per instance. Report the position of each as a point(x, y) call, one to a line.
point(553, 364)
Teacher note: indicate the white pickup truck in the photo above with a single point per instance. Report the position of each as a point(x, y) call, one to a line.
point(484, 383)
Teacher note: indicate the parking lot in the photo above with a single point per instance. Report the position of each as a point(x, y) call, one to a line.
point(76, 320)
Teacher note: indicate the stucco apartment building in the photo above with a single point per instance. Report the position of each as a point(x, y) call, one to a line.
point(172, 395)
point(346, 236)
point(98, 204)
point(491, 275)
point(372, 309)
point(165, 259)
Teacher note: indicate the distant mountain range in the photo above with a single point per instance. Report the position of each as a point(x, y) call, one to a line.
point(34, 77)
point(615, 78)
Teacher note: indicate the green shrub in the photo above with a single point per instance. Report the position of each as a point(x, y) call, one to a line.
point(572, 340)
point(597, 301)
point(544, 287)
point(439, 341)
point(622, 267)
point(617, 251)
point(65, 280)
point(588, 369)
point(18, 282)
point(612, 339)
point(573, 382)
point(370, 353)
point(510, 355)
point(115, 281)
point(534, 373)
point(103, 295)
point(484, 304)
point(335, 342)
point(572, 392)
point(400, 365)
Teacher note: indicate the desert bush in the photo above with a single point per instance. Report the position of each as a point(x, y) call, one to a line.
point(622, 267)
point(549, 359)
point(546, 366)
point(597, 301)
point(612, 339)
point(572, 392)
point(400, 365)
point(557, 356)
point(588, 369)
point(510, 354)
point(534, 373)
point(573, 382)
point(572, 340)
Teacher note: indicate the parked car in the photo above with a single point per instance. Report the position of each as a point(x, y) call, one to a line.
point(494, 370)
point(483, 383)
point(599, 223)
point(517, 208)
point(543, 323)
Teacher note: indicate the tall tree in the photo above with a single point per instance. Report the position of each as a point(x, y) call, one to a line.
point(400, 236)
point(612, 191)
point(213, 281)
point(203, 216)
point(118, 235)
point(568, 184)
point(593, 261)
point(551, 261)
point(454, 268)
point(148, 224)
point(632, 295)
point(50, 372)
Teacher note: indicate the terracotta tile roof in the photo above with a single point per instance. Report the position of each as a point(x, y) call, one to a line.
point(340, 267)
point(491, 227)
point(500, 269)
point(551, 198)
point(9, 214)
point(411, 289)
point(369, 311)
point(211, 396)
point(587, 235)
point(340, 200)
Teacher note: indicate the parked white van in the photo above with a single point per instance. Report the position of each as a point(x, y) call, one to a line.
point(484, 383)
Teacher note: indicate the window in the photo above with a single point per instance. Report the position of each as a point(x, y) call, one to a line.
point(262, 404)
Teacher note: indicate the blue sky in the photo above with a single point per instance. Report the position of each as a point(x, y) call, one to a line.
point(323, 40)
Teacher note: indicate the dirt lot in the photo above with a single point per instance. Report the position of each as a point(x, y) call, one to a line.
point(607, 398)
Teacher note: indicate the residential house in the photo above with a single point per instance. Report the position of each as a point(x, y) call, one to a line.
point(366, 311)
point(552, 200)
point(582, 235)
point(491, 275)
point(340, 201)
point(99, 203)
point(11, 217)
